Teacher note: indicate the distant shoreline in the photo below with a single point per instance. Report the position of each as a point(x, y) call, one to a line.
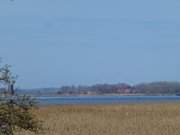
point(160, 88)
point(86, 95)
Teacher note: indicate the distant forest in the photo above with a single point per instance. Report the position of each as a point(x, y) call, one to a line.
point(153, 88)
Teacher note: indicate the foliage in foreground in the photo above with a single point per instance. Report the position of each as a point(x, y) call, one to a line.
point(15, 115)
point(15, 110)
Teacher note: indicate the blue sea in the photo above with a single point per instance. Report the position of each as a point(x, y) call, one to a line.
point(73, 100)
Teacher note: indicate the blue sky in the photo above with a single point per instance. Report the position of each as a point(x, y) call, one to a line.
point(51, 43)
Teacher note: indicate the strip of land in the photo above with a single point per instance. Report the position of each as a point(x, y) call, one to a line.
point(153, 88)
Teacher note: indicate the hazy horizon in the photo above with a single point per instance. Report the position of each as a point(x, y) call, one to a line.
point(54, 43)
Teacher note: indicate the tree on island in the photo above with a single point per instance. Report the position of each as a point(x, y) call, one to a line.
point(15, 110)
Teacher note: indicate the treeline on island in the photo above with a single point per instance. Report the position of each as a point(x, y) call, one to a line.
point(153, 88)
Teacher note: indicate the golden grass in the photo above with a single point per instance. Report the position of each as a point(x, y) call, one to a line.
point(136, 119)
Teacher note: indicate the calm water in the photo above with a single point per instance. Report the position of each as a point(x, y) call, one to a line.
point(105, 99)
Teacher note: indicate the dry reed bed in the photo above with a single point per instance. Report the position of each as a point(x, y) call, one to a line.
point(134, 119)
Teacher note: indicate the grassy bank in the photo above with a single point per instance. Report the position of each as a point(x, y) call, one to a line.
point(141, 119)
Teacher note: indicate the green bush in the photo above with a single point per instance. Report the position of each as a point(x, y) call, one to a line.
point(15, 110)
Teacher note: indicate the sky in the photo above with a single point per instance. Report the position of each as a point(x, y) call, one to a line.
point(51, 43)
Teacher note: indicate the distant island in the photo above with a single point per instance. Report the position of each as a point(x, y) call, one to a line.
point(153, 88)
